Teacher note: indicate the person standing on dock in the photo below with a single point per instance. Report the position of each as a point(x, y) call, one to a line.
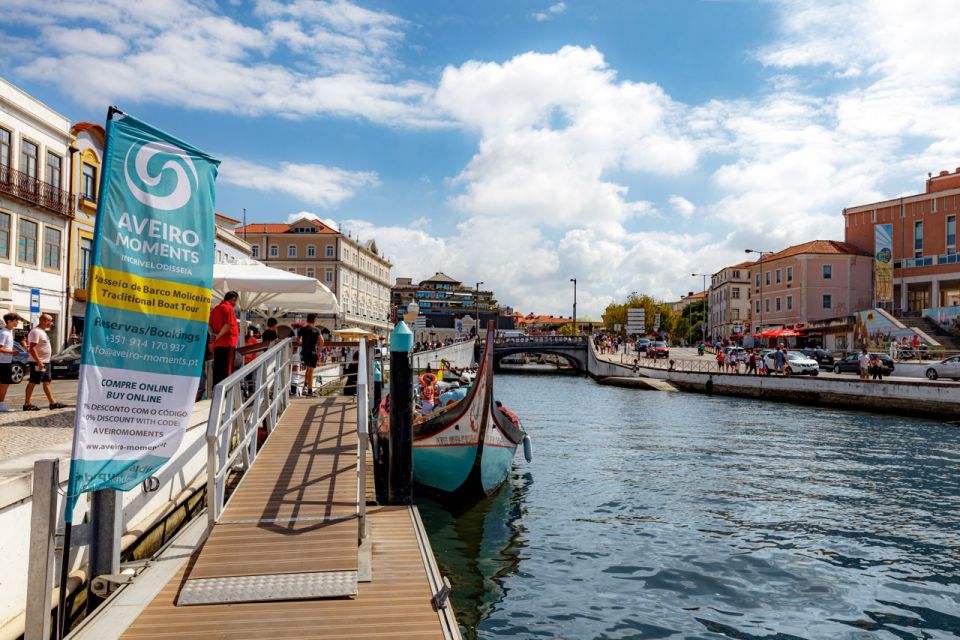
point(752, 362)
point(779, 361)
point(10, 322)
point(864, 363)
point(38, 346)
point(226, 333)
point(270, 333)
point(309, 340)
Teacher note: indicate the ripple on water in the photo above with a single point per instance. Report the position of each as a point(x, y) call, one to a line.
point(650, 515)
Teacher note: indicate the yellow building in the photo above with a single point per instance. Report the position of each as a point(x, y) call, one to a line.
point(85, 178)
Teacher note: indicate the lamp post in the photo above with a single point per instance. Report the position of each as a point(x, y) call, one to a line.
point(762, 253)
point(706, 303)
point(476, 308)
point(574, 281)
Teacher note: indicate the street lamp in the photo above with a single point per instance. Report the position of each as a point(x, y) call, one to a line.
point(762, 253)
point(476, 308)
point(574, 281)
point(706, 303)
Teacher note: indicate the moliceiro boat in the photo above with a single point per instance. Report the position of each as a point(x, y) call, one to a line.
point(465, 449)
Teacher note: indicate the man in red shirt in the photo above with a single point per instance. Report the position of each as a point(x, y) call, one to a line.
point(225, 332)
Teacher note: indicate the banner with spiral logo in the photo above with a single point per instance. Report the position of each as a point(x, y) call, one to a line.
point(145, 332)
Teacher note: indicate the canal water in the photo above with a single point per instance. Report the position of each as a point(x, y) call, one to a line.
point(670, 515)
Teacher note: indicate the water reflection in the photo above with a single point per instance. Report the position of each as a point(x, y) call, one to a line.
point(477, 548)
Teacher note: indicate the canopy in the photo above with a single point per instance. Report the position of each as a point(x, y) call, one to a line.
point(353, 332)
point(321, 301)
point(777, 333)
point(257, 283)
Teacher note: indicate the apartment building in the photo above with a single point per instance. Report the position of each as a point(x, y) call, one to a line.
point(923, 240)
point(35, 207)
point(355, 271)
point(729, 301)
point(88, 143)
point(447, 303)
point(229, 248)
point(809, 282)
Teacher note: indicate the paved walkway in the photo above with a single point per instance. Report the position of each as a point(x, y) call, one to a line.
point(22, 432)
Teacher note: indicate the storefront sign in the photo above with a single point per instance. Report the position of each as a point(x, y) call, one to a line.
point(149, 302)
point(883, 262)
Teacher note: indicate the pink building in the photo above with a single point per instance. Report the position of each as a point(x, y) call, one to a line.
point(810, 282)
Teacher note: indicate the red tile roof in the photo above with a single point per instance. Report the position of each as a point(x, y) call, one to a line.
point(834, 247)
point(280, 227)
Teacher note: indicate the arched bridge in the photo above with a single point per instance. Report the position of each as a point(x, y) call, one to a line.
point(571, 348)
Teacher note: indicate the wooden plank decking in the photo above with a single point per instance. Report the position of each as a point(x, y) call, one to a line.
point(292, 513)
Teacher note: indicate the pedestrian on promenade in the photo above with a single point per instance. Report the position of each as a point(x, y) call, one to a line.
point(762, 365)
point(38, 347)
point(752, 362)
point(10, 322)
point(876, 367)
point(864, 363)
point(720, 360)
point(733, 365)
point(779, 361)
point(309, 340)
point(226, 333)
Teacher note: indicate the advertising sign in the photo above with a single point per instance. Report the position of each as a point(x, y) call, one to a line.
point(883, 262)
point(149, 302)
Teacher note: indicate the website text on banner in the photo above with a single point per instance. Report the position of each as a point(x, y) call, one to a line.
point(145, 332)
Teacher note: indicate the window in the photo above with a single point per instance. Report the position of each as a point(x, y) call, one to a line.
point(873, 216)
point(827, 301)
point(734, 314)
point(789, 274)
point(758, 281)
point(5, 236)
point(827, 271)
point(86, 252)
point(736, 293)
point(766, 305)
point(736, 275)
point(757, 307)
point(310, 272)
point(292, 269)
point(27, 242)
point(4, 148)
point(88, 188)
point(54, 169)
point(951, 235)
point(778, 304)
point(329, 251)
point(779, 273)
point(255, 250)
point(29, 157)
point(51, 248)
point(329, 275)
point(766, 277)
point(291, 251)
point(311, 250)
point(274, 250)
point(789, 303)
point(917, 239)
point(933, 206)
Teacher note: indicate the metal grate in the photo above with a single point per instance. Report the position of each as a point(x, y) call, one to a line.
point(288, 586)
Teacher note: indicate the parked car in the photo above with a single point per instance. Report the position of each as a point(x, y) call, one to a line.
point(658, 349)
point(642, 344)
point(822, 356)
point(797, 364)
point(19, 363)
point(66, 364)
point(948, 368)
point(851, 364)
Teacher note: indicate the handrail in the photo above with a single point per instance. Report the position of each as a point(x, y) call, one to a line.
point(255, 394)
point(363, 417)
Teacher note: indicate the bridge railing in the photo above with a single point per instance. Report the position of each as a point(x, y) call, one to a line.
point(540, 341)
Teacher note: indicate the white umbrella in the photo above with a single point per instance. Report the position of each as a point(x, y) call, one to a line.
point(257, 284)
point(321, 301)
point(354, 332)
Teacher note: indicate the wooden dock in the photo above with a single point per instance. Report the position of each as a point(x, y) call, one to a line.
point(284, 560)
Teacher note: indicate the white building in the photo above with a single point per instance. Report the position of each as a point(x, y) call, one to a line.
point(35, 206)
point(730, 301)
point(230, 248)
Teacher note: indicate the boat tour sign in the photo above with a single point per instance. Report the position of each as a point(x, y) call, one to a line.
point(145, 332)
point(883, 262)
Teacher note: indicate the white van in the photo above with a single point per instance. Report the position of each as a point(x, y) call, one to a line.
point(511, 333)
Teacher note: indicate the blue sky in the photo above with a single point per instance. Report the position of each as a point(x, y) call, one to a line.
point(520, 143)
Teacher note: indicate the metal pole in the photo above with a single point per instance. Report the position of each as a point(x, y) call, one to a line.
point(476, 309)
point(105, 511)
point(43, 528)
point(400, 478)
point(574, 281)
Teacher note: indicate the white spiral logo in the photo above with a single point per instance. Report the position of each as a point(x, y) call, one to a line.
point(180, 195)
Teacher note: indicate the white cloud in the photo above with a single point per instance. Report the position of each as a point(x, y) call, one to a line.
point(681, 206)
point(552, 12)
point(313, 183)
point(300, 215)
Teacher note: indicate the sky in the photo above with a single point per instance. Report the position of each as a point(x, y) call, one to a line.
point(628, 144)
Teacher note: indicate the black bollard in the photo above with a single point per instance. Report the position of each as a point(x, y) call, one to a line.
point(400, 482)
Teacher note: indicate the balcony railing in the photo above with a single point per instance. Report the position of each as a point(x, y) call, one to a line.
point(927, 261)
point(34, 190)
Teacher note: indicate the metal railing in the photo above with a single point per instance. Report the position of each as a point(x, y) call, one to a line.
point(256, 394)
point(540, 341)
point(34, 190)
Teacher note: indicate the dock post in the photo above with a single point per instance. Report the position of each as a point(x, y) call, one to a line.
point(43, 527)
point(105, 520)
point(400, 478)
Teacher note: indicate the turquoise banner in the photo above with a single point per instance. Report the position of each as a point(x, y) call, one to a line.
point(148, 304)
